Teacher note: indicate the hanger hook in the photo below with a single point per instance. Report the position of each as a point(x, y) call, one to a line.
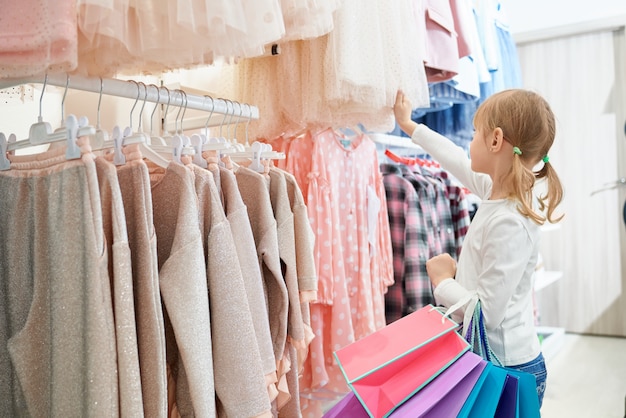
point(167, 108)
point(180, 109)
point(45, 82)
point(225, 115)
point(238, 120)
point(99, 103)
point(206, 125)
point(67, 83)
point(248, 123)
point(145, 97)
point(182, 118)
point(135, 104)
point(230, 121)
point(158, 100)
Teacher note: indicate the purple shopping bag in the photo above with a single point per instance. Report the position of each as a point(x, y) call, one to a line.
point(508, 406)
point(446, 394)
point(349, 406)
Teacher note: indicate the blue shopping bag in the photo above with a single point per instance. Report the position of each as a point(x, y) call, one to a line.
point(484, 398)
point(513, 392)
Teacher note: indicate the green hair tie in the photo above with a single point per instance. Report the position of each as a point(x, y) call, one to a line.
point(546, 159)
point(517, 151)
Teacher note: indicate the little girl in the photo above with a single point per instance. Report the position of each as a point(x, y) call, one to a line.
point(514, 131)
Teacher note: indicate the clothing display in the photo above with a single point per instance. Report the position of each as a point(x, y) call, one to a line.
point(148, 277)
point(170, 325)
point(428, 216)
point(344, 193)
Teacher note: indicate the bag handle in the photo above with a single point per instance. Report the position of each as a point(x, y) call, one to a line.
point(476, 336)
point(474, 330)
point(469, 302)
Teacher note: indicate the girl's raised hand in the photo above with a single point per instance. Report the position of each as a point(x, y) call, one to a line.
point(402, 112)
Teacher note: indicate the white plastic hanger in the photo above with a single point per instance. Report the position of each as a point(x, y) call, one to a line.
point(179, 144)
point(235, 147)
point(41, 132)
point(100, 140)
point(167, 137)
point(128, 137)
point(256, 152)
point(157, 139)
point(198, 140)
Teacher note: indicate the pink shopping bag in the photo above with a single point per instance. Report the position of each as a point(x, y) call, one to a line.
point(444, 396)
point(387, 367)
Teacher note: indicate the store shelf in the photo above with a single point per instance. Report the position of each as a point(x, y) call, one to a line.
point(544, 278)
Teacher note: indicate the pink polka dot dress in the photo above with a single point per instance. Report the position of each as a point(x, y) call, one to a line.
point(347, 211)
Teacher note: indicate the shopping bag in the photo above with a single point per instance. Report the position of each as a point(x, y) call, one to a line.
point(484, 398)
point(387, 367)
point(508, 406)
point(527, 394)
point(442, 397)
point(476, 336)
point(348, 406)
point(508, 392)
point(445, 395)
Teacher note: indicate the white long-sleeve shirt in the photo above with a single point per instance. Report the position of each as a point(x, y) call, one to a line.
point(496, 262)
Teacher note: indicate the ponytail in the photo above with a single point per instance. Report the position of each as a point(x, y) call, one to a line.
point(523, 181)
point(553, 197)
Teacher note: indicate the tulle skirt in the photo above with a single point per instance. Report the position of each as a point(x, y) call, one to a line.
point(138, 37)
point(342, 79)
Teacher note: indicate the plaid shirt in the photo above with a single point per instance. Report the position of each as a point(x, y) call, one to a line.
point(428, 204)
point(459, 209)
point(410, 244)
point(445, 225)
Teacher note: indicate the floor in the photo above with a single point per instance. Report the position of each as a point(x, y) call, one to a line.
point(586, 378)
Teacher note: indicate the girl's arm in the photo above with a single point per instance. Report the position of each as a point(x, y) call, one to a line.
point(450, 156)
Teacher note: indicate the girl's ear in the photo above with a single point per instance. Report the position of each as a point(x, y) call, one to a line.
point(496, 140)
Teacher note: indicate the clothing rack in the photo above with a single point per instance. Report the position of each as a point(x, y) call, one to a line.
point(219, 107)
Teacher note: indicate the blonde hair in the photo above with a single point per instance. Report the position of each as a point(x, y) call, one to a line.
point(527, 122)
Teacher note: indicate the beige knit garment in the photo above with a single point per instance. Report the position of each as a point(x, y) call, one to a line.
point(305, 257)
point(287, 250)
point(255, 194)
point(182, 279)
point(57, 336)
point(239, 376)
point(237, 215)
point(120, 272)
point(137, 198)
point(304, 237)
